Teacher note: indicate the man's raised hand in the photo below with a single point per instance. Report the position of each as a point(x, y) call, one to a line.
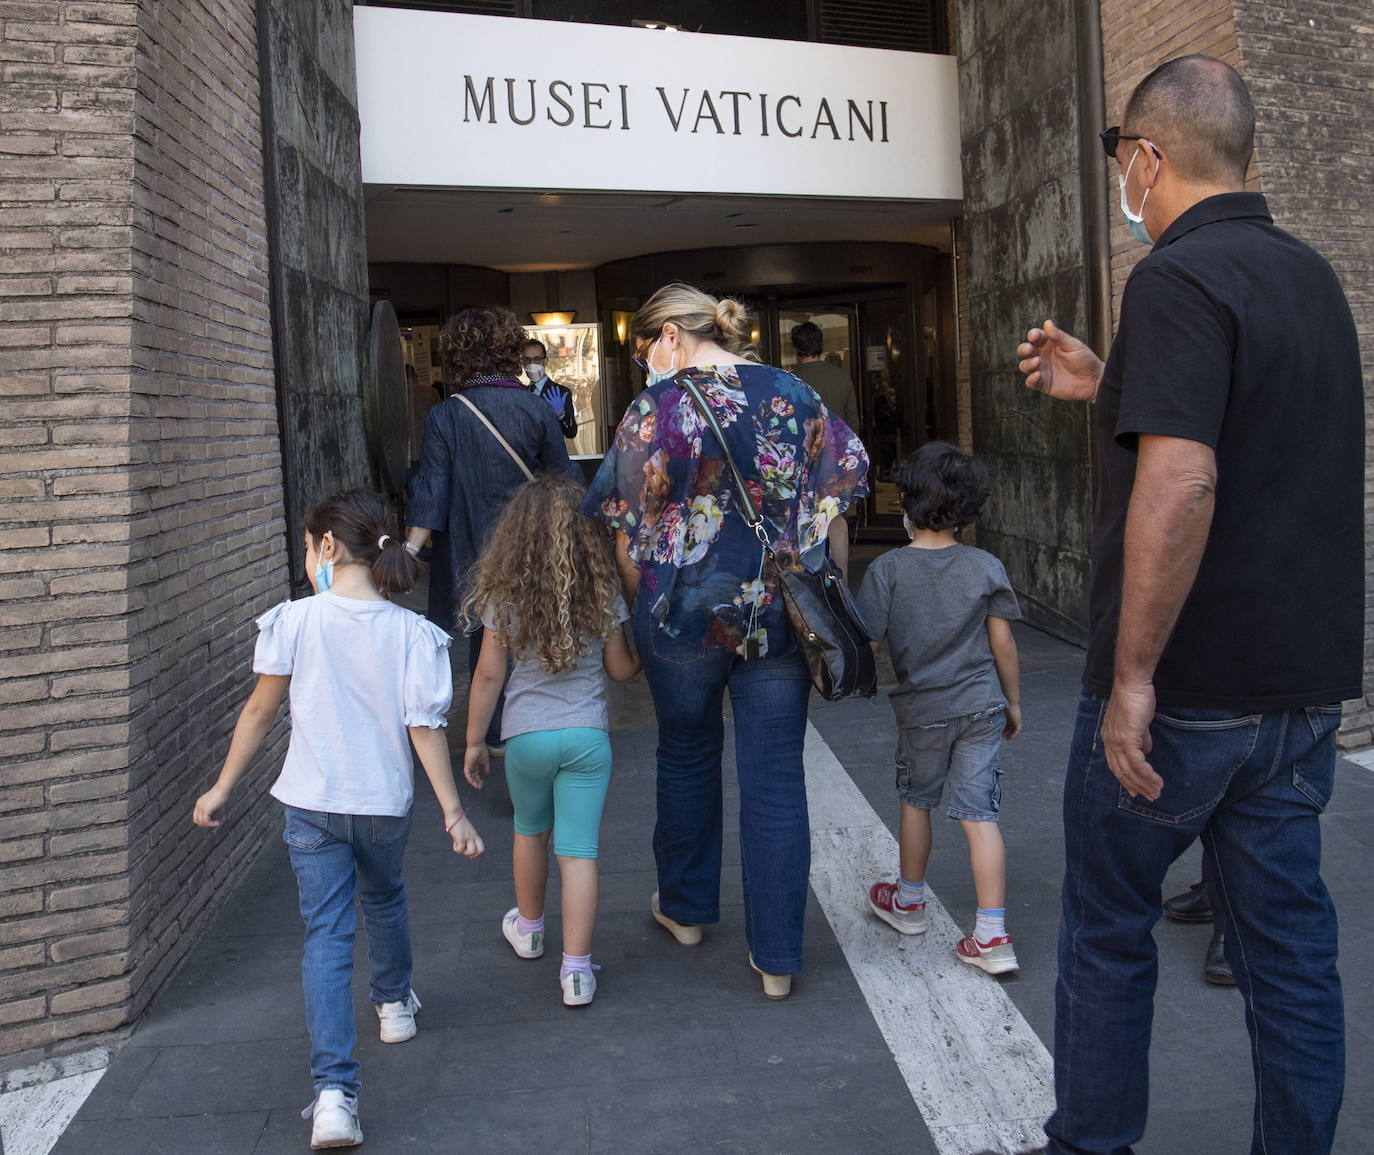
point(1059, 364)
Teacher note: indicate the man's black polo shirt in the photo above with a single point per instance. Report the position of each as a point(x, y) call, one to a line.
point(1236, 335)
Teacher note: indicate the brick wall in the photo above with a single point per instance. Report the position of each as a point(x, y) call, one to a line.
point(140, 497)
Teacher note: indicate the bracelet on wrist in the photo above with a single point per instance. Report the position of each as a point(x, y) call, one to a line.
point(415, 549)
point(461, 815)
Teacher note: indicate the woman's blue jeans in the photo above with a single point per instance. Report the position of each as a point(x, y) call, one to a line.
point(1252, 787)
point(333, 855)
point(769, 699)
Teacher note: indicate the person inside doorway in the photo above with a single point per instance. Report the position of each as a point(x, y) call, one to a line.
point(535, 360)
point(831, 383)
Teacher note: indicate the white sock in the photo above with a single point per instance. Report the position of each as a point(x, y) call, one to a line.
point(990, 923)
point(910, 893)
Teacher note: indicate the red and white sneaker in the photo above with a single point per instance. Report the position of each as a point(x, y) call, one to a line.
point(996, 957)
point(882, 901)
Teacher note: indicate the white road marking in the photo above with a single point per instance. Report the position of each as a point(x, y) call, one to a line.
point(980, 1076)
point(1363, 757)
point(38, 1103)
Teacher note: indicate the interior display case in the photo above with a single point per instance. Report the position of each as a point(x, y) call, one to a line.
point(575, 363)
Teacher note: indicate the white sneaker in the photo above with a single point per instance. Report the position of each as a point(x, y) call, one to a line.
point(525, 945)
point(579, 988)
point(336, 1120)
point(398, 1018)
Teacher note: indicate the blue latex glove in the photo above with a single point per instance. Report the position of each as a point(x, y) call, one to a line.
point(555, 395)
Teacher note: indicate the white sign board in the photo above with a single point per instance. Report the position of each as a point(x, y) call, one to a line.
point(491, 102)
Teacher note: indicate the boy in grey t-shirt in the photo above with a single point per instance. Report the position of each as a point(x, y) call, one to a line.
point(945, 610)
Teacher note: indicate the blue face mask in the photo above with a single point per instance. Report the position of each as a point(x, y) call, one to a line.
point(654, 376)
point(324, 576)
point(1135, 222)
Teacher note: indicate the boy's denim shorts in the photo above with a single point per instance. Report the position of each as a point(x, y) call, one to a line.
point(962, 751)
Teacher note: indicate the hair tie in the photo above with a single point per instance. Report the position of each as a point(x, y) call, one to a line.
point(381, 541)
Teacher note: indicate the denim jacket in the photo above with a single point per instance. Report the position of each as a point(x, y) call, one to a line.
point(466, 477)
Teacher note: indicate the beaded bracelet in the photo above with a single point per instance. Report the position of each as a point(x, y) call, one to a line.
point(461, 815)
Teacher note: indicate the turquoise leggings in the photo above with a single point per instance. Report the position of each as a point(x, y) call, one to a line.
point(557, 781)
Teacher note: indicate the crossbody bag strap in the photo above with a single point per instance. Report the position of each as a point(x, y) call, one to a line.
point(482, 417)
point(748, 510)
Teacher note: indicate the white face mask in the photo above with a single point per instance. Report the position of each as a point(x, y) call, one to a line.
point(534, 371)
point(654, 376)
point(1135, 222)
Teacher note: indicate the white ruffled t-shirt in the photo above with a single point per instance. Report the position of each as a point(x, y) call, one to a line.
point(361, 672)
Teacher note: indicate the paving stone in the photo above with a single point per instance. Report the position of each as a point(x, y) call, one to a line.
point(234, 1133)
point(864, 1109)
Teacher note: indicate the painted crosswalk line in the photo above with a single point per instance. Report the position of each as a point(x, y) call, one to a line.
point(980, 1076)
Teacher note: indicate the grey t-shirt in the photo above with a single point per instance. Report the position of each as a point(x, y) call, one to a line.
point(539, 700)
point(932, 607)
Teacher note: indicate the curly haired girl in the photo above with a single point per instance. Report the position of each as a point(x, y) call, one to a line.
point(547, 593)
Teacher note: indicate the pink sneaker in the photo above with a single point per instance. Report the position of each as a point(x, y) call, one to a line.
point(882, 901)
point(995, 957)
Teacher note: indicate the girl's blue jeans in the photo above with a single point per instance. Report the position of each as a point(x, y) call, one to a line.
point(334, 856)
point(769, 697)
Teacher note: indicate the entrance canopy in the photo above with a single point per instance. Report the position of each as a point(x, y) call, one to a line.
point(519, 231)
point(458, 101)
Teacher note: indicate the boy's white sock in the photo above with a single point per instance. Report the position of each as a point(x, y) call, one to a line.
point(991, 923)
point(910, 893)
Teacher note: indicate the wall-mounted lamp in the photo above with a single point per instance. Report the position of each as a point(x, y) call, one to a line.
point(563, 318)
point(621, 318)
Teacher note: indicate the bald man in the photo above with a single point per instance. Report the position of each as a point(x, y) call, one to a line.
point(1226, 614)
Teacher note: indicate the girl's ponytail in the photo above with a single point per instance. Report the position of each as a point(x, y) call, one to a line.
point(364, 523)
point(395, 569)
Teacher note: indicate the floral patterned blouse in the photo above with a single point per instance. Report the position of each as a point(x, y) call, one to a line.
point(666, 485)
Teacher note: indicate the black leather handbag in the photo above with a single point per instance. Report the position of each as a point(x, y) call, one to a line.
point(826, 622)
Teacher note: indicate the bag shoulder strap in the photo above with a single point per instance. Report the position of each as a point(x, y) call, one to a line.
point(482, 417)
point(752, 518)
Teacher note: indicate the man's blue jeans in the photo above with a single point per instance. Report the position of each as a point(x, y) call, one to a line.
point(769, 699)
point(1252, 788)
point(332, 855)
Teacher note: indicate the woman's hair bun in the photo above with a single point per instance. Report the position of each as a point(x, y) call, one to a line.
point(732, 318)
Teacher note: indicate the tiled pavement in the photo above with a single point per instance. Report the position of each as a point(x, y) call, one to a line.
point(679, 1052)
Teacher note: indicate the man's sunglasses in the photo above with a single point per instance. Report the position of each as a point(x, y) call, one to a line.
point(1111, 137)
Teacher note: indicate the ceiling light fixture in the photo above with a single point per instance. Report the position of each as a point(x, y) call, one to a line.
point(566, 317)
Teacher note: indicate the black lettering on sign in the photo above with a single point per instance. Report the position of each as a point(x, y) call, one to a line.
point(625, 107)
point(855, 114)
point(510, 103)
point(782, 128)
point(706, 110)
point(763, 111)
point(554, 85)
point(882, 104)
point(472, 104)
point(824, 117)
point(668, 108)
point(734, 103)
point(588, 104)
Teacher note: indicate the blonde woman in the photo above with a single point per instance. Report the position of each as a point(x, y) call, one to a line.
point(708, 615)
point(547, 595)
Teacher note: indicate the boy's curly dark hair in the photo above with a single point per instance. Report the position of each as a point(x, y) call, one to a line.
point(941, 487)
point(481, 342)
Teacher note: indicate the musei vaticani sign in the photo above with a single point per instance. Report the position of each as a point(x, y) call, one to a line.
point(490, 102)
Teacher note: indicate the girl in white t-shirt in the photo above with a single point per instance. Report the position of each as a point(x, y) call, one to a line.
point(366, 680)
point(546, 590)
